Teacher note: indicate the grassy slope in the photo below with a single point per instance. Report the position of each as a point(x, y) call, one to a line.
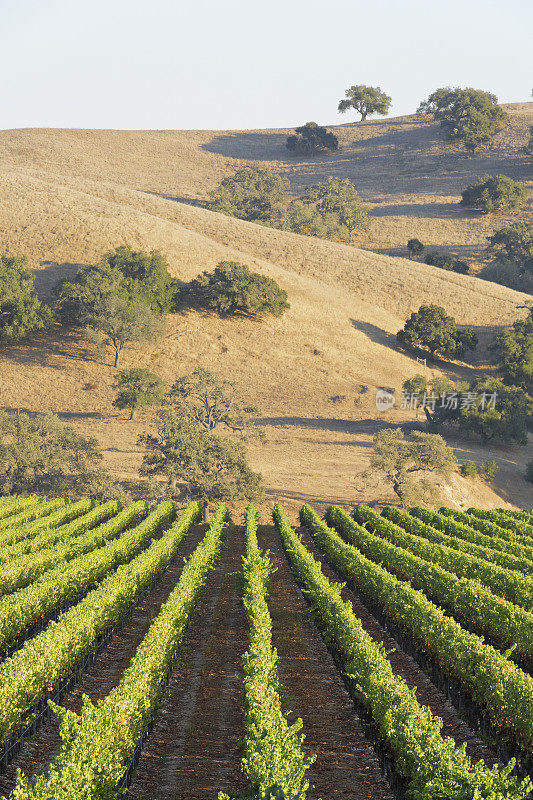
point(70, 195)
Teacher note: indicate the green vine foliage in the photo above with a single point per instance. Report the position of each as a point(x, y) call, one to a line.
point(99, 742)
point(62, 585)
point(503, 690)
point(515, 586)
point(424, 565)
point(435, 768)
point(33, 518)
point(507, 554)
point(274, 759)
point(45, 660)
point(520, 526)
point(482, 531)
point(490, 522)
point(28, 560)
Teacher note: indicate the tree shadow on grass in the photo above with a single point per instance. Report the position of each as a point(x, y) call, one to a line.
point(376, 334)
point(302, 497)
point(253, 146)
point(434, 210)
point(49, 348)
point(66, 416)
point(358, 426)
point(51, 273)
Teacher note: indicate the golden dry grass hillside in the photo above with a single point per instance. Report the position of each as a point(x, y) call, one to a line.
point(69, 195)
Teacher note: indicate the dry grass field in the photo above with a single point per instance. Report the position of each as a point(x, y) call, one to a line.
point(69, 195)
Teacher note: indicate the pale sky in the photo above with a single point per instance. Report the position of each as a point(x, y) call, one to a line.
point(169, 64)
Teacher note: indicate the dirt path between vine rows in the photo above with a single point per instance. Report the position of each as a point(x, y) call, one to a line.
point(194, 749)
point(106, 670)
point(346, 765)
point(406, 667)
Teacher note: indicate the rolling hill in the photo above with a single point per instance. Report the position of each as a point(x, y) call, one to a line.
point(69, 195)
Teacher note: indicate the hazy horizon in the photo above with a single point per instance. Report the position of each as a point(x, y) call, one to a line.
point(137, 66)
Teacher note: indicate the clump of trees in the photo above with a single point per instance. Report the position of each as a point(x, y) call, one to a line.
point(514, 242)
point(138, 388)
point(311, 139)
point(494, 408)
point(331, 209)
point(430, 328)
point(494, 193)
point(410, 465)
point(446, 261)
point(253, 193)
point(233, 288)
point(415, 248)
point(485, 407)
point(134, 276)
point(120, 300)
point(39, 453)
point(366, 100)
point(512, 249)
point(190, 454)
point(21, 311)
point(504, 420)
point(513, 350)
point(470, 116)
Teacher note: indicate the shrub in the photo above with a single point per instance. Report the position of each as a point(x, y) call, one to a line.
point(494, 193)
point(138, 388)
point(445, 261)
point(415, 247)
point(415, 385)
point(332, 206)
point(233, 288)
point(506, 273)
point(117, 322)
point(303, 218)
point(310, 139)
point(468, 469)
point(490, 469)
point(440, 385)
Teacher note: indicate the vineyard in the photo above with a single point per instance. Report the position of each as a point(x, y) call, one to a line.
point(148, 655)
